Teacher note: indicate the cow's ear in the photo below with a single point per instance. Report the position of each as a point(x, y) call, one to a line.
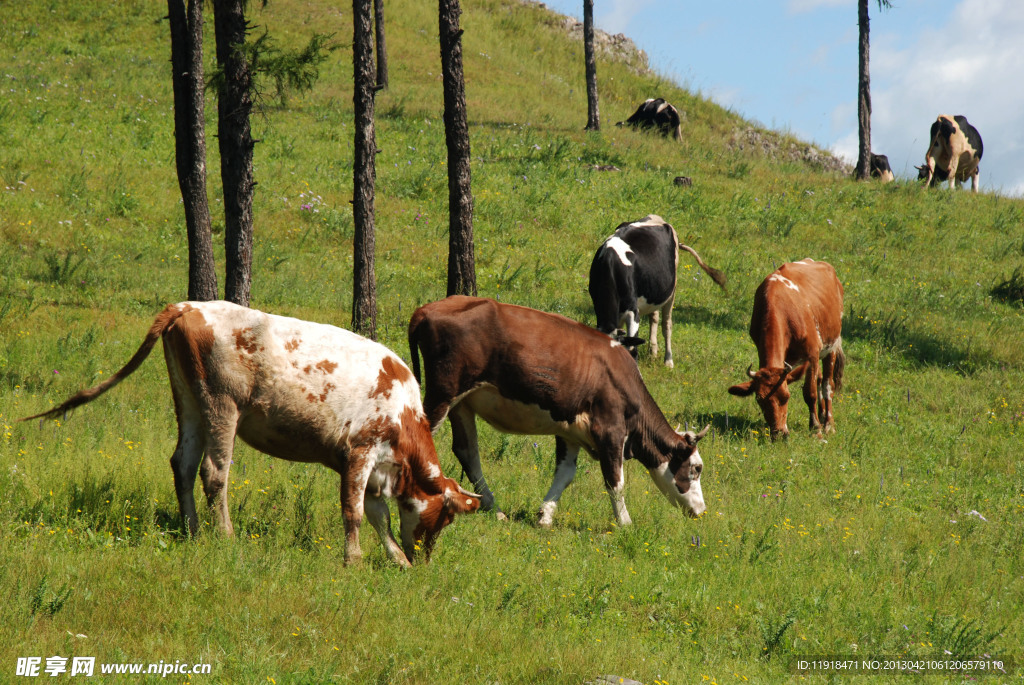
point(742, 390)
point(461, 501)
point(797, 373)
point(630, 341)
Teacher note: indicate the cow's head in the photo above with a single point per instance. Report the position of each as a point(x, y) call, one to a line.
point(771, 388)
point(424, 517)
point(678, 477)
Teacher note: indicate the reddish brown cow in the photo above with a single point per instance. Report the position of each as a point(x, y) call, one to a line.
point(797, 320)
point(304, 392)
point(528, 372)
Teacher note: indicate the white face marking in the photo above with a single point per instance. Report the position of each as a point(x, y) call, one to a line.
point(693, 499)
point(621, 248)
point(630, 323)
point(784, 281)
point(616, 343)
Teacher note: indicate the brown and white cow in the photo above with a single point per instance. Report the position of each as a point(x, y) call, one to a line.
point(954, 152)
point(532, 373)
point(797, 321)
point(304, 392)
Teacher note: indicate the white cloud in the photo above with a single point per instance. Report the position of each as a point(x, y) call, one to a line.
point(971, 65)
point(617, 19)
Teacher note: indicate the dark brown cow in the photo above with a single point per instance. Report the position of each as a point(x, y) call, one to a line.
point(528, 372)
point(304, 392)
point(954, 152)
point(797, 320)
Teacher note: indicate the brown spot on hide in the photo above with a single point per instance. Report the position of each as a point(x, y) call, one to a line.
point(292, 345)
point(245, 339)
point(391, 371)
point(326, 366)
point(190, 340)
point(307, 368)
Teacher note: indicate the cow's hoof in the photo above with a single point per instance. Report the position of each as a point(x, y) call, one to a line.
point(670, 364)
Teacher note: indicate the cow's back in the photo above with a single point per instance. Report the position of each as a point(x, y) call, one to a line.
point(797, 299)
point(531, 356)
point(314, 378)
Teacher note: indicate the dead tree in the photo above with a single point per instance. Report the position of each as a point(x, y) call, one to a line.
point(186, 24)
point(234, 105)
point(461, 259)
point(364, 289)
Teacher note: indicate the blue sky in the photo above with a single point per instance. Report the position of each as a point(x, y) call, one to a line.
point(792, 65)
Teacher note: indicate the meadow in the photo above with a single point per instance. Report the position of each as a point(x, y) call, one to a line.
point(899, 536)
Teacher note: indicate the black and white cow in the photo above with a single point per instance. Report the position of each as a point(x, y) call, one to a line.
point(880, 168)
point(954, 152)
point(656, 113)
point(634, 274)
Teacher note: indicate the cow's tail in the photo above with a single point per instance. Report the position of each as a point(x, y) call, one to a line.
point(716, 275)
point(678, 133)
point(839, 366)
point(168, 316)
point(414, 351)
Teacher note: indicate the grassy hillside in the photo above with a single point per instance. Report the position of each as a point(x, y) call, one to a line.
point(901, 535)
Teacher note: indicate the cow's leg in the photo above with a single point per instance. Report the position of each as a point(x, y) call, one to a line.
point(354, 476)
point(467, 450)
point(811, 391)
point(975, 179)
point(186, 458)
point(953, 164)
point(377, 512)
point(610, 456)
point(666, 330)
point(220, 444)
point(652, 339)
point(827, 391)
point(565, 471)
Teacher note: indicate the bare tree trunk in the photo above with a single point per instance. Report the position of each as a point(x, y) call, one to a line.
point(382, 46)
point(461, 259)
point(364, 289)
point(190, 142)
point(234, 105)
point(863, 95)
point(593, 116)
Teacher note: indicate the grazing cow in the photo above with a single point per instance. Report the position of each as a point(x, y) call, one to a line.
point(634, 274)
point(303, 392)
point(656, 113)
point(797, 320)
point(954, 152)
point(532, 373)
point(880, 168)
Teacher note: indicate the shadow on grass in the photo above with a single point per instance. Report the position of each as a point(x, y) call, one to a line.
point(891, 333)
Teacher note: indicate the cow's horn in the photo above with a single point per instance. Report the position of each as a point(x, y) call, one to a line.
point(702, 433)
point(789, 367)
point(467, 493)
point(750, 372)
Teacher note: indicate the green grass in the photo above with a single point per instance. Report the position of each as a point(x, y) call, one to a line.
point(807, 547)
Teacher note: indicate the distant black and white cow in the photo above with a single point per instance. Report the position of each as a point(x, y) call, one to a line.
point(880, 168)
point(954, 152)
point(656, 113)
point(634, 274)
